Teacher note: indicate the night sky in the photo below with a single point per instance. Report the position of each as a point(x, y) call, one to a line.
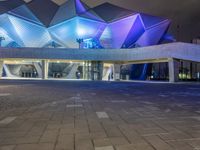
point(183, 13)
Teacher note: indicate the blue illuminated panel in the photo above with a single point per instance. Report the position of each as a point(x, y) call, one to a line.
point(31, 34)
point(75, 28)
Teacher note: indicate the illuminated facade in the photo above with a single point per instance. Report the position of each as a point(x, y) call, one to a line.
point(104, 26)
point(76, 25)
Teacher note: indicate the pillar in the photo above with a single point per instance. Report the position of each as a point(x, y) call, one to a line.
point(45, 68)
point(1, 68)
point(173, 70)
point(116, 72)
point(86, 70)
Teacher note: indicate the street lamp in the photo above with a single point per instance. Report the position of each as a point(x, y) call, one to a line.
point(79, 41)
point(1, 39)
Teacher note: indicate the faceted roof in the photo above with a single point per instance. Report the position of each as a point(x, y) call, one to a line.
point(150, 21)
point(110, 12)
point(68, 10)
point(24, 12)
point(9, 5)
point(38, 23)
point(44, 10)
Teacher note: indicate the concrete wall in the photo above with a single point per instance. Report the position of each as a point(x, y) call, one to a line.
point(174, 50)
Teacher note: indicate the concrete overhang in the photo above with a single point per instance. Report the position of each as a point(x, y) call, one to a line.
point(157, 53)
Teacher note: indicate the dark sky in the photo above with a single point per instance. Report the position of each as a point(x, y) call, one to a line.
point(185, 13)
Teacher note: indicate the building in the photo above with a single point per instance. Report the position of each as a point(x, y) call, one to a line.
point(73, 41)
point(196, 40)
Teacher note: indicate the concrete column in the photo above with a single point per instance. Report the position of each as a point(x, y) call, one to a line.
point(45, 69)
point(173, 70)
point(116, 72)
point(86, 70)
point(1, 68)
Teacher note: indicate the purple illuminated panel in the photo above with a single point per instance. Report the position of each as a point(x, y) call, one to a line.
point(150, 21)
point(80, 8)
point(153, 35)
point(136, 31)
point(116, 33)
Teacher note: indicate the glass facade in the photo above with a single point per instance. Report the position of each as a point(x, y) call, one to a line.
point(188, 71)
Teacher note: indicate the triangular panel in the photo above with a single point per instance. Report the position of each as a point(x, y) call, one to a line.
point(110, 12)
point(65, 33)
point(24, 13)
point(136, 31)
point(12, 44)
point(31, 34)
point(116, 33)
point(53, 44)
point(44, 10)
point(87, 28)
point(8, 5)
point(150, 21)
point(9, 29)
point(56, 39)
point(68, 32)
point(6, 39)
point(90, 14)
point(153, 35)
point(66, 11)
point(81, 7)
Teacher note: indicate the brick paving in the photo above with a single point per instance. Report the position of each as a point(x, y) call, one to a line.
point(65, 115)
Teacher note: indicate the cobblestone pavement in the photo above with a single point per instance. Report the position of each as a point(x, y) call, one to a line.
point(65, 115)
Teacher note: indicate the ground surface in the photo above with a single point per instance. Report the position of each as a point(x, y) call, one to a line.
point(64, 115)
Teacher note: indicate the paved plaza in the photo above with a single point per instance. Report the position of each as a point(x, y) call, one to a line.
point(83, 115)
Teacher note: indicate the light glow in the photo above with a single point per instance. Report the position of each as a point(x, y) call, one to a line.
point(80, 32)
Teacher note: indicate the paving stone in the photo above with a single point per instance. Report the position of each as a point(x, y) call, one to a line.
point(74, 105)
point(175, 136)
point(143, 146)
point(91, 135)
point(49, 136)
point(65, 142)
point(118, 101)
point(139, 119)
point(21, 140)
point(194, 143)
point(84, 144)
point(112, 131)
point(7, 120)
point(8, 147)
point(101, 142)
point(182, 145)
point(81, 101)
point(4, 94)
point(158, 143)
point(40, 146)
point(102, 115)
point(126, 147)
point(118, 141)
point(104, 148)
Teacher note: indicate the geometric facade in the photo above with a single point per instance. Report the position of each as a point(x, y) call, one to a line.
point(104, 26)
point(75, 25)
